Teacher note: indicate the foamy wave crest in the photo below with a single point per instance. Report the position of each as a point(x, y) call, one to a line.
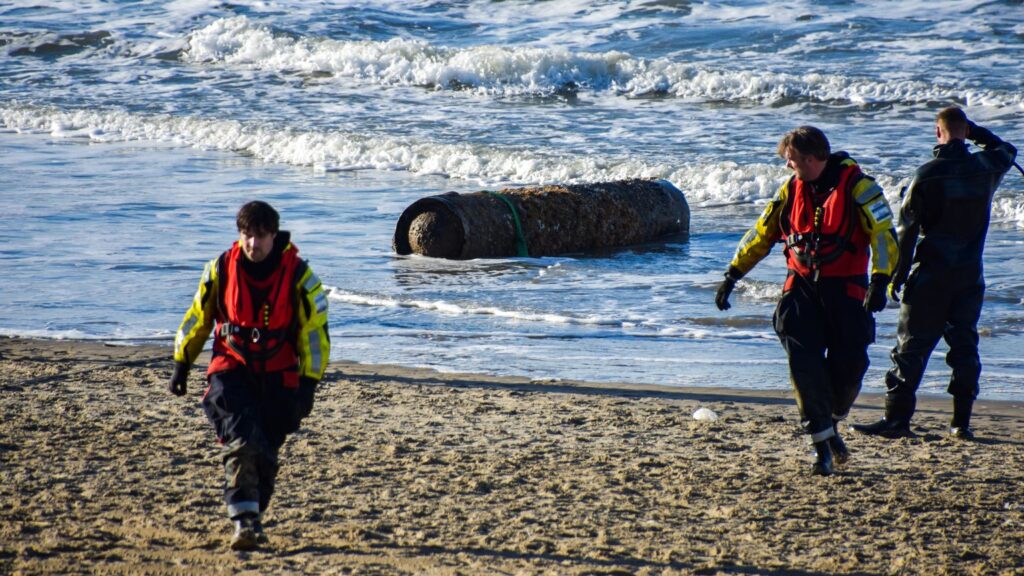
point(452, 308)
point(719, 182)
point(767, 87)
point(489, 69)
point(759, 291)
point(503, 70)
point(119, 334)
point(635, 327)
point(1009, 209)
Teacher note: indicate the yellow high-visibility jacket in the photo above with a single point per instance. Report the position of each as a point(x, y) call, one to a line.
point(312, 340)
point(874, 215)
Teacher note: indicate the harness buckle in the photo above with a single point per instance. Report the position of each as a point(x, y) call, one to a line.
point(255, 335)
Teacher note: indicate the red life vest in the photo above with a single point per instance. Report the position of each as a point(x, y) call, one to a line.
point(257, 334)
point(826, 239)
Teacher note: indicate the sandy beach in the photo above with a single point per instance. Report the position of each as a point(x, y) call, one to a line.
point(405, 471)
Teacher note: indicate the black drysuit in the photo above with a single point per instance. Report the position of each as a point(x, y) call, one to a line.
point(943, 222)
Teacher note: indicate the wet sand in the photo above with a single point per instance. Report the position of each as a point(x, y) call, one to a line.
point(406, 471)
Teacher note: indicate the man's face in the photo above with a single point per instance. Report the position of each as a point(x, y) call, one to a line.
point(807, 168)
point(256, 244)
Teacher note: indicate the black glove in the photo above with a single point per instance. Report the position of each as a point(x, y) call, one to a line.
point(980, 135)
point(874, 300)
point(307, 392)
point(725, 288)
point(179, 380)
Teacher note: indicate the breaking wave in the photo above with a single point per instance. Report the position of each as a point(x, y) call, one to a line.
point(636, 327)
point(503, 71)
point(453, 308)
point(343, 151)
point(704, 183)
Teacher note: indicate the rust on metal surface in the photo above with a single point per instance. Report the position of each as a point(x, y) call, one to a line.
point(552, 220)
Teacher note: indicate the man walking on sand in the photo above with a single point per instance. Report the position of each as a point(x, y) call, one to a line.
point(830, 216)
point(270, 349)
point(942, 227)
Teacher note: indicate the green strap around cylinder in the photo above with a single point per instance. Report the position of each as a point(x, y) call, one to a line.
point(520, 239)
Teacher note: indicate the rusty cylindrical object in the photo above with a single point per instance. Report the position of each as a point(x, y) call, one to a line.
point(542, 221)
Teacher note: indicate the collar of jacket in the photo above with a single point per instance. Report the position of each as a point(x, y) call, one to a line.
point(829, 177)
point(951, 149)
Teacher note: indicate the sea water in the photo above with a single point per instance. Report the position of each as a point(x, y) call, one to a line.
point(130, 132)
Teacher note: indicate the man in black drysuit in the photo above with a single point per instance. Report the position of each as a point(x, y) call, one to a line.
point(942, 226)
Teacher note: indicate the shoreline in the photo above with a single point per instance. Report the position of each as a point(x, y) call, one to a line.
point(406, 470)
point(928, 402)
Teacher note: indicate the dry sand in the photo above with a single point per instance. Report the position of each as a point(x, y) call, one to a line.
point(409, 471)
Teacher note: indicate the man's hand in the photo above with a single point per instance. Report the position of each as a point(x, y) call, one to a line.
point(179, 380)
point(980, 135)
point(874, 299)
point(894, 290)
point(725, 289)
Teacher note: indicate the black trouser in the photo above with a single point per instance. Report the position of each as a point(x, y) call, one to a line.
point(825, 331)
point(252, 415)
point(937, 303)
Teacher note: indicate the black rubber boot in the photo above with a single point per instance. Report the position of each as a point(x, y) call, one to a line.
point(244, 537)
point(885, 428)
point(257, 528)
point(895, 423)
point(840, 452)
point(960, 427)
point(823, 462)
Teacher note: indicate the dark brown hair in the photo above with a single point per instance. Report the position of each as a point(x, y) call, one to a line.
point(952, 119)
point(257, 216)
point(806, 140)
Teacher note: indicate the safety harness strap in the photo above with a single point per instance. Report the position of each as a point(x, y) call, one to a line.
point(805, 247)
point(253, 335)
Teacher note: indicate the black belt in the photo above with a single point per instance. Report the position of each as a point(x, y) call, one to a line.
point(250, 334)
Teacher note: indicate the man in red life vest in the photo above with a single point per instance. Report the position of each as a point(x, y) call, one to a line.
point(268, 313)
point(942, 227)
point(831, 218)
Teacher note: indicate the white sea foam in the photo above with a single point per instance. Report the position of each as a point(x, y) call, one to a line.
point(617, 326)
point(759, 290)
point(120, 335)
point(72, 334)
point(503, 70)
point(716, 182)
point(703, 183)
point(1009, 209)
point(453, 308)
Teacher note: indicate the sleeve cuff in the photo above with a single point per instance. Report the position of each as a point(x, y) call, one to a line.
point(733, 273)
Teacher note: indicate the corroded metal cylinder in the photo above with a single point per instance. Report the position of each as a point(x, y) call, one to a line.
point(542, 221)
